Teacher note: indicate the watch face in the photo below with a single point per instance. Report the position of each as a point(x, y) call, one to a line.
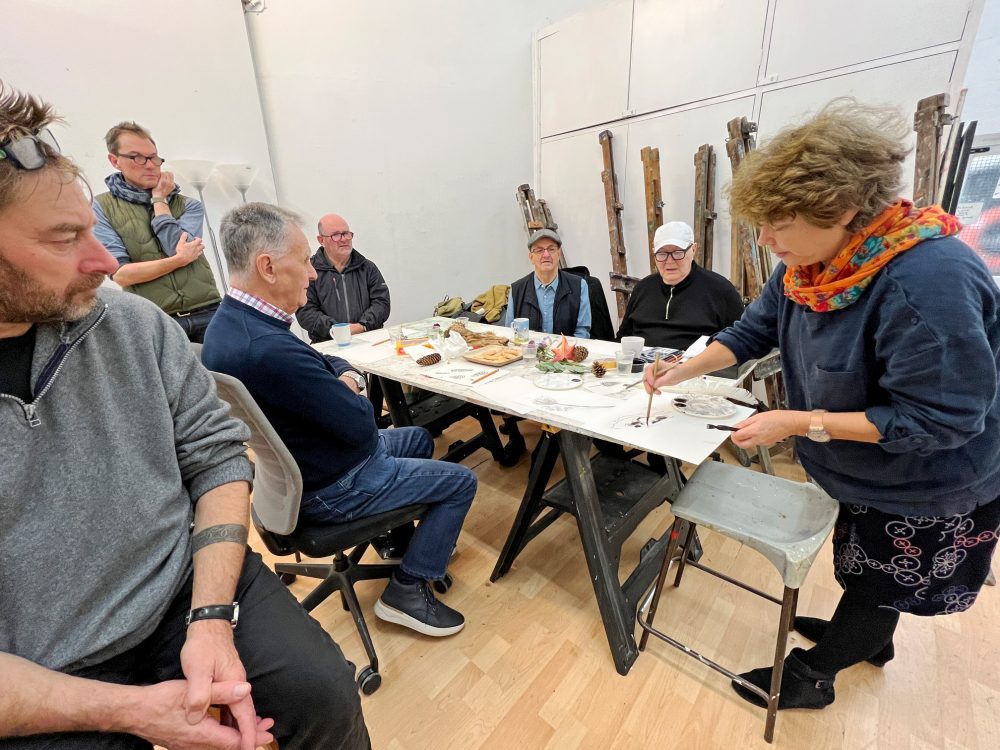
point(819, 436)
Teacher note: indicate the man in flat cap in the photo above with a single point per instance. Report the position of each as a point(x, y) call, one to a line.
point(553, 300)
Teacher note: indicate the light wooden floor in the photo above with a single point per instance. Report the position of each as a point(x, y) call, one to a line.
point(532, 668)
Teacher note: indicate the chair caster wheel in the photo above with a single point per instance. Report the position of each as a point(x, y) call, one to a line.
point(369, 681)
point(287, 578)
point(442, 585)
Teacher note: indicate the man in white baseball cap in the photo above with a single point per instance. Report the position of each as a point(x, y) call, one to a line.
point(683, 301)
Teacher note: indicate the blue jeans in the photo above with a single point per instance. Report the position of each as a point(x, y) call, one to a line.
point(401, 472)
point(196, 323)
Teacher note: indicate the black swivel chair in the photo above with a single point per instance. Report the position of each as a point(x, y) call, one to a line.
point(277, 493)
point(600, 316)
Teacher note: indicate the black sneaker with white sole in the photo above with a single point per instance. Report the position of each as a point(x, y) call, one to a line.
point(414, 606)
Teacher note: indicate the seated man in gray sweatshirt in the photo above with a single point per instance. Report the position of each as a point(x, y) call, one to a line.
point(130, 602)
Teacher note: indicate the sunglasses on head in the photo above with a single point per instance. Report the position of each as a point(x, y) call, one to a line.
point(29, 152)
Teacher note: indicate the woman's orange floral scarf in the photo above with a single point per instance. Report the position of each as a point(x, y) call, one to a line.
point(842, 282)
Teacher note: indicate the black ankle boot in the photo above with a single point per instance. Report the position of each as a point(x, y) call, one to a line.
point(814, 629)
point(801, 686)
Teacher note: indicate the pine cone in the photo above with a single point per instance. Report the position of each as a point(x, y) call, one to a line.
point(598, 369)
point(580, 353)
point(429, 359)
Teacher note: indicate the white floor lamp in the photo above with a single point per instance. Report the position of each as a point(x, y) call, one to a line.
point(196, 172)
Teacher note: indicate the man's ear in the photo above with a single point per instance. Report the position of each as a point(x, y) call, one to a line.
point(264, 264)
point(114, 161)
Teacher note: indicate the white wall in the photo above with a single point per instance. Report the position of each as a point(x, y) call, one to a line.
point(983, 76)
point(414, 121)
point(184, 71)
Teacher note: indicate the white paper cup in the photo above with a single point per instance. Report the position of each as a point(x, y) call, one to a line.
point(633, 344)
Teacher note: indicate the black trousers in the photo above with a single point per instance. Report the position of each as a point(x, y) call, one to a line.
point(196, 323)
point(300, 677)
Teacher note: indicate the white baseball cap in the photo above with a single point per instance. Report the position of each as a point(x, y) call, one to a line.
point(675, 233)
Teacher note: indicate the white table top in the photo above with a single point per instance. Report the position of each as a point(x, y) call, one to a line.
point(612, 414)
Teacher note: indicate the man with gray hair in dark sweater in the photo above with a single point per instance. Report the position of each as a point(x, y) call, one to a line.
point(130, 602)
point(350, 468)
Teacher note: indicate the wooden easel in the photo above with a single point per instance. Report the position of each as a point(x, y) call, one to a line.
point(621, 283)
point(536, 214)
point(749, 267)
point(654, 199)
point(929, 122)
point(704, 205)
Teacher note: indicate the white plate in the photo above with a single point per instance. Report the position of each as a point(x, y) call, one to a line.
point(558, 381)
point(708, 407)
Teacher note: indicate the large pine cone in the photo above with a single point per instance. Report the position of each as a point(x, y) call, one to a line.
point(429, 359)
point(598, 369)
point(580, 353)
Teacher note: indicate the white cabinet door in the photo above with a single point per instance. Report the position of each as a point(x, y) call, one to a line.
point(686, 51)
point(810, 36)
point(583, 67)
point(901, 85)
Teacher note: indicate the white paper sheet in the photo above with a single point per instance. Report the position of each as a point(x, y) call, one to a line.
point(696, 348)
point(669, 432)
point(360, 351)
point(463, 373)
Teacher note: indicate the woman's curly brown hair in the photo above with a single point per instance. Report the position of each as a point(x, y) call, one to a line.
point(849, 156)
point(21, 115)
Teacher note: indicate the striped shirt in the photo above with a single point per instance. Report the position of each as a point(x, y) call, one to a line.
point(258, 304)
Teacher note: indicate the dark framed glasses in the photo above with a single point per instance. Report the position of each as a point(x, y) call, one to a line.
point(339, 236)
point(28, 152)
point(142, 160)
point(675, 254)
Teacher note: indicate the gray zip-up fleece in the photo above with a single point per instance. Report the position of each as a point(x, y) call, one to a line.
point(98, 479)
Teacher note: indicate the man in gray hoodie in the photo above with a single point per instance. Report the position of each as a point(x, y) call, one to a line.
point(130, 601)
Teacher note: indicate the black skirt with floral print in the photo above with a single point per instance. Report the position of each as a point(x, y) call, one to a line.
point(915, 564)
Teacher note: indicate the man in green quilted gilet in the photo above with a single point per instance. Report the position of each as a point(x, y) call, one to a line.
point(154, 232)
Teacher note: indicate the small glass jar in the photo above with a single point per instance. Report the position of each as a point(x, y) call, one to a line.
point(529, 352)
point(623, 360)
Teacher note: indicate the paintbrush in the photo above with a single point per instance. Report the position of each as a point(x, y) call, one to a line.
point(725, 427)
point(649, 405)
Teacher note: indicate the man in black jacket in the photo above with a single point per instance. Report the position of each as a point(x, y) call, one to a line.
point(681, 303)
point(348, 288)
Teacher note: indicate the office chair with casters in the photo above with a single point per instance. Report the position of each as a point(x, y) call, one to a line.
point(277, 494)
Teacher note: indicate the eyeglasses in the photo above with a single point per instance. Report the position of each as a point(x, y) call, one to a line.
point(540, 250)
point(28, 152)
point(337, 236)
point(675, 254)
point(141, 160)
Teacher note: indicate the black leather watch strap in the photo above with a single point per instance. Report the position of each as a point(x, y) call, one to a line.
point(228, 612)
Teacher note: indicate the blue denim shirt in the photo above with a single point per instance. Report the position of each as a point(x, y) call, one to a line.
point(546, 294)
point(919, 353)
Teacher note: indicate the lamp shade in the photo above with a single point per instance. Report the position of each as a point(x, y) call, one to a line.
point(240, 176)
point(193, 171)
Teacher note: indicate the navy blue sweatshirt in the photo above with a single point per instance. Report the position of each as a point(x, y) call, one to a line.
point(919, 353)
point(327, 427)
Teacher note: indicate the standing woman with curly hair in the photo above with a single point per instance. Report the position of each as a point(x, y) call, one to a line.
point(889, 333)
